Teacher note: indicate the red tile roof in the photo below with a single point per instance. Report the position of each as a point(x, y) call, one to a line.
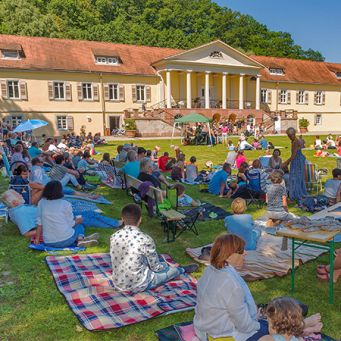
point(299, 71)
point(76, 55)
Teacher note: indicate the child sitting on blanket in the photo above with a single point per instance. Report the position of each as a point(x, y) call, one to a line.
point(286, 321)
point(55, 220)
point(241, 224)
point(184, 199)
point(136, 266)
point(276, 198)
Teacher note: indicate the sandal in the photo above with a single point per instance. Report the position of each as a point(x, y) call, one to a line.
point(322, 270)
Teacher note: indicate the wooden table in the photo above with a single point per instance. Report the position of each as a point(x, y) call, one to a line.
point(322, 240)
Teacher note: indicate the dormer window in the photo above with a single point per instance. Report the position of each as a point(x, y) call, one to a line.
point(10, 54)
point(276, 71)
point(102, 60)
point(338, 74)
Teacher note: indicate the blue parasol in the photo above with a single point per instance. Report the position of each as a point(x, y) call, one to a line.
point(29, 125)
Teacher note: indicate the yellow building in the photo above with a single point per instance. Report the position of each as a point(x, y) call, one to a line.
point(96, 85)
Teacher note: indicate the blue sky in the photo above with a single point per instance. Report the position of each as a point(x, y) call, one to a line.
point(313, 24)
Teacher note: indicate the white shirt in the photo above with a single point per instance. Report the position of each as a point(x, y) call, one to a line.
point(318, 143)
point(222, 308)
point(243, 144)
point(56, 219)
point(62, 146)
point(331, 187)
point(52, 148)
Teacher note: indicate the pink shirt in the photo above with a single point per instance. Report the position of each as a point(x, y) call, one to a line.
point(239, 160)
point(224, 130)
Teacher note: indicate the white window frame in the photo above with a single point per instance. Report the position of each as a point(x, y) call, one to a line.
point(301, 96)
point(4, 51)
point(16, 120)
point(140, 92)
point(102, 60)
point(54, 91)
point(11, 81)
point(338, 74)
point(62, 122)
point(276, 71)
point(318, 119)
point(86, 91)
point(283, 96)
point(264, 95)
point(112, 91)
point(319, 97)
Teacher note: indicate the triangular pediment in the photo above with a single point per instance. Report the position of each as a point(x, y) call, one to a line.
point(215, 53)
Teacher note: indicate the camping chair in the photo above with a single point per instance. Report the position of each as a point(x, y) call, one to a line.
point(22, 190)
point(109, 171)
point(312, 177)
point(117, 165)
point(188, 223)
point(254, 188)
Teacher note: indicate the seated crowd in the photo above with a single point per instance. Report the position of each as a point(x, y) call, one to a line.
point(225, 306)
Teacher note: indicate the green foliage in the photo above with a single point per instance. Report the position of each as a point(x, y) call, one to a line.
point(130, 124)
point(303, 123)
point(166, 23)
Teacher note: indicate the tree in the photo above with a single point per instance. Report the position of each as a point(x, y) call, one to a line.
point(166, 23)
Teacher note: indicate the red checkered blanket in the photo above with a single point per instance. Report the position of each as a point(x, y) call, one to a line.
point(85, 282)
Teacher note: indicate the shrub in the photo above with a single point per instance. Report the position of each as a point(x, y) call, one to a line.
point(303, 123)
point(130, 124)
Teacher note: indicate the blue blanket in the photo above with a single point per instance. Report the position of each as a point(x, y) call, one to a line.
point(99, 200)
point(43, 247)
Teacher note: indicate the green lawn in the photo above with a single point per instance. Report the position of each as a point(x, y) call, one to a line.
point(31, 308)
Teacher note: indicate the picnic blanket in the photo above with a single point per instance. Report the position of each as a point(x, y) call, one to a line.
point(208, 212)
point(42, 247)
point(85, 282)
point(267, 260)
point(99, 200)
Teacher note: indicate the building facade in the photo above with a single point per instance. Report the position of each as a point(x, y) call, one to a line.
point(95, 85)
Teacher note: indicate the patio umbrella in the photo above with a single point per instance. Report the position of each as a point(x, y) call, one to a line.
point(29, 125)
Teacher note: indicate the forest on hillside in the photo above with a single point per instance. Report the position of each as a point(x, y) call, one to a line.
point(165, 23)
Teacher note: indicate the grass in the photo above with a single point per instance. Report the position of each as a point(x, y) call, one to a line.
point(31, 307)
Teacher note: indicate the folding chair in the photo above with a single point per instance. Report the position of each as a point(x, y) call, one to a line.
point(22, 190)
point(313, 177)
point(116, 165)
point(254, 189)
point(188, 223)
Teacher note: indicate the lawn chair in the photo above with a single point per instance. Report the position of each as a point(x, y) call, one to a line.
point(110, 173)
point(254, 188)
point(117, 165)
point(313, 177)
point(188, 223)
point(24, 191)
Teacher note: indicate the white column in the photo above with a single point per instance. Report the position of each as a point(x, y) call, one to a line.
point(207, 90)
point(241, 91)
point(169, 92)
point(189, 90)
point(223, 91)
point(258, 92)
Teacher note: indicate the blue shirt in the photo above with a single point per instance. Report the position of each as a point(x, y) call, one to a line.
point(264, 143)
point(34, 152)
point(132, 168)
point(215, 183)
point(242, 226)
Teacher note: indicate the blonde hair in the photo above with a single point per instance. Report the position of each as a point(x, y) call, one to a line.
point(223, 247)
point(276, 177)
point(238, 206)
point(285, 316)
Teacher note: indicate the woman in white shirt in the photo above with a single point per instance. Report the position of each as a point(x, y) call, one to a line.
point(225, 306)
point(56, 221)
point(318, 143)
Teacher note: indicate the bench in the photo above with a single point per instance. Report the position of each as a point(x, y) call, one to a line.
point(170, 218)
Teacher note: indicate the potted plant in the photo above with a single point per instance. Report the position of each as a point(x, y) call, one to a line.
point(130, 127)
point(303, 124)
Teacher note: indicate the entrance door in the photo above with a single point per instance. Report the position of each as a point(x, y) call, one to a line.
point(114, 122)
